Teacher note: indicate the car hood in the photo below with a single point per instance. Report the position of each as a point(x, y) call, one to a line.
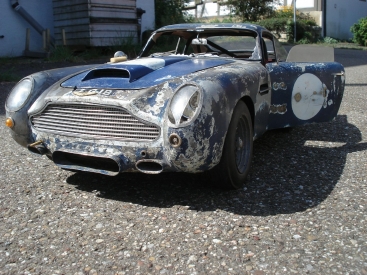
point(141, 73)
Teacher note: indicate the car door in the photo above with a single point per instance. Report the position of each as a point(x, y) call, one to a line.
point(303, 92)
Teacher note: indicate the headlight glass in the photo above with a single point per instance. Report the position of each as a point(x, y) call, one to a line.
point(19, 95)
point(185, 105)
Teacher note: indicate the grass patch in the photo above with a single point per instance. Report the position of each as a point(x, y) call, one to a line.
point(350, 46)
point(9, 76)
point(336, 45)
point(78, 55)
point(126, 42)
point(62, 54)
point(6, 60)
point(92, 53)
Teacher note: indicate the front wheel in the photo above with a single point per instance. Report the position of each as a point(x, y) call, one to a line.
point(234, 166)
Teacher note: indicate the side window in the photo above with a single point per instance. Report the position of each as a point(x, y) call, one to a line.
point(270, 49)
point(276, 51)
point(280, 50)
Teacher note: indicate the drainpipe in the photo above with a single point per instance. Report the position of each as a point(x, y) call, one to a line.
point(18, 8)
point(324, 18)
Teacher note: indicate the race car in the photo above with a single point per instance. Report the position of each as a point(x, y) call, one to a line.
point(193, 101)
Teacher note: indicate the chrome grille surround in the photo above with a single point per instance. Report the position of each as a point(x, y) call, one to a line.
point(93, 121)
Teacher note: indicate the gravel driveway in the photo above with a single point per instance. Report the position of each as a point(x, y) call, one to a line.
point(304, 209)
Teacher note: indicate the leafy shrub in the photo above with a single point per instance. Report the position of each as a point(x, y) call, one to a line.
point(329, 40)
point(301, 30)
point(284, 12)
point(277, 25)
point(227, 20)
point(304, 28)
point(304, 41)
point(359, 31)
point(282, 22)
point(217, 20)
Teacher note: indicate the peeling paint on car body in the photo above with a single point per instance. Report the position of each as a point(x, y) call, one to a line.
point(308, 89)
point(92, 100)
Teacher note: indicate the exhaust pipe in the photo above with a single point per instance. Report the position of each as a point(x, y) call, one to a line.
point(37, 148)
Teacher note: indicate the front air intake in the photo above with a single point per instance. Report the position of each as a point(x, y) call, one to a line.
point(87, 163)
point(95, 122)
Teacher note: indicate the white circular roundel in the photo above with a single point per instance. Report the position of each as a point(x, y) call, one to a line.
point(308, 96)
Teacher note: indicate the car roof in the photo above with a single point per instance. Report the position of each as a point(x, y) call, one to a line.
point(208, 26)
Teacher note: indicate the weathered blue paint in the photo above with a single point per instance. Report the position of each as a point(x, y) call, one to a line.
point(142, 76)
point(283, 78)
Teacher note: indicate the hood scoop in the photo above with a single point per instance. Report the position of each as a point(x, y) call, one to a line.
point(107, 73)
point(140, 73)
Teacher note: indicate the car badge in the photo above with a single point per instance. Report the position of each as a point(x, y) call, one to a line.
point(85, 93)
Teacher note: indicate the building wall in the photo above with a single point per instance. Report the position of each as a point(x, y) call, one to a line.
point(13, 26)
point(341, 15)
point(95, 22)
point(305, 5)
point(148, 18)
point(207, 8)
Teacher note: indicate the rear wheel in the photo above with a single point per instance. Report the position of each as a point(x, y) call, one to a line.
point(234, 166)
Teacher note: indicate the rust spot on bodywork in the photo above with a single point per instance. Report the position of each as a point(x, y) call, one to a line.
point(297, 97)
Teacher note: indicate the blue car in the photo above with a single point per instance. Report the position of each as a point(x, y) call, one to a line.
point(193, 101)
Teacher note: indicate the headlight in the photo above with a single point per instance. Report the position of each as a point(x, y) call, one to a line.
point(185, 105)
point(19, 95)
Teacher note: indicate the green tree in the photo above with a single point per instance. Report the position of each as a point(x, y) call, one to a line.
point(251, 10)
point(170, 12)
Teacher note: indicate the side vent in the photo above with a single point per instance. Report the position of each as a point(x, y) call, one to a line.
point(264, 89)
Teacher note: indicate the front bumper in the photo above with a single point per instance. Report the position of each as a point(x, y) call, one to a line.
point(193, 154)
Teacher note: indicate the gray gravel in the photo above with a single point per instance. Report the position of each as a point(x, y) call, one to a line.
point(303, 211)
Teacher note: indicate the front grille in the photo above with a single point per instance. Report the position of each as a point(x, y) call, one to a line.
point(93, 121)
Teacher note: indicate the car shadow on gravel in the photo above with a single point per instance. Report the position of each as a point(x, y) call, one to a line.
point(292, 170)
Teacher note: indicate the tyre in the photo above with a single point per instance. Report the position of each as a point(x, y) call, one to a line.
point(234, 166)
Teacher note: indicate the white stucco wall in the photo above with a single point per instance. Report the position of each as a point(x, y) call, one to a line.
point(13, 26)
point(148, 18)
point(341, 15)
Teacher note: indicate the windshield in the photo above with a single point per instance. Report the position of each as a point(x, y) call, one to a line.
point(222, 43)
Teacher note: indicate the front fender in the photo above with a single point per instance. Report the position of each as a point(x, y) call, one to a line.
point(21, 132)
point(203, 140)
